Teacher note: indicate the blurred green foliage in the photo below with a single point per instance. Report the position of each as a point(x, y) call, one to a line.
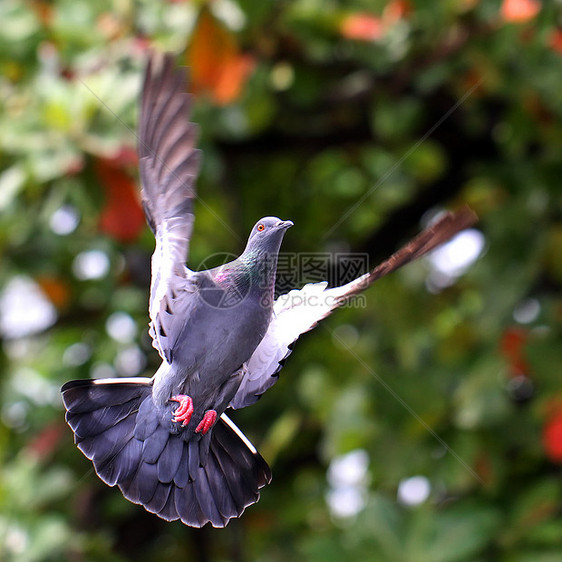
point(352, 119)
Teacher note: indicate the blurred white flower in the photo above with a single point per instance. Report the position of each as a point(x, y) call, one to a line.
point(414, 490)
point(450, 260)
point(64, 220)
point(91, 264)
point(24, 309)
point(348, 479)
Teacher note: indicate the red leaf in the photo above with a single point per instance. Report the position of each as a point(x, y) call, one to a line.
point(47, 441)
point(56, 289)
point(217, 66)
point(513, 348)
point(396, 10)
point(122, 217)
point(552, 437)
point(44, 11)
point(365, 26)
point(362, 26)
point(518, 11)
point(555, 41)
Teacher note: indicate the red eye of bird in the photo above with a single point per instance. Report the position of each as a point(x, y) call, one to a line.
point(261, 227)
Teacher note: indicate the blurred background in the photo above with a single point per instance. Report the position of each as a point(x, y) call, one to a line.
point(424, 424)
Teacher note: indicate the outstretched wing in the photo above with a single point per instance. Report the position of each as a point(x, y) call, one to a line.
point(169, 164)
point(299, 311)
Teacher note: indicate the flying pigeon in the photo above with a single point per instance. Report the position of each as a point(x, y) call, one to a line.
point(166, 441)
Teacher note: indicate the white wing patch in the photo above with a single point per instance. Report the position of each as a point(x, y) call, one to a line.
point(294, 313)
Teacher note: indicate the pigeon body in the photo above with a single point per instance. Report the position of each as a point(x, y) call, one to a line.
point(166, 441)
point(229, 310)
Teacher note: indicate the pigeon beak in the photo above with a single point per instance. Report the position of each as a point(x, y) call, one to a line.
point(284, 224)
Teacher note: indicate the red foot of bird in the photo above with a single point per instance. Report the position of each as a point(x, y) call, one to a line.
point(185, 409)
point(207, 422)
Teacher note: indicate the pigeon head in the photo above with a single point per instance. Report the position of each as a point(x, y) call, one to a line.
point(266, 236)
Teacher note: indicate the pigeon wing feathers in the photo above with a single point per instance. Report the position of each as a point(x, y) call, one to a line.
point(443, 229)
point(169, 164)
point(299, 311)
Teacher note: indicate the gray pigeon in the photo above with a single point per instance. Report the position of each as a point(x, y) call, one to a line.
point(166, 441)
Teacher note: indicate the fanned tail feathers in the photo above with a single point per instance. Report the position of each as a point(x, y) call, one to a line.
point(199, 481)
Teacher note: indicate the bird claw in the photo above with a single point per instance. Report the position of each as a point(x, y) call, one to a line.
point(184, 412)
point(207, 422)
point(185, 409)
